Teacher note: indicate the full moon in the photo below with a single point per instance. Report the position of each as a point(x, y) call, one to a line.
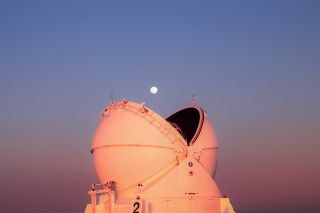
point(153, 90)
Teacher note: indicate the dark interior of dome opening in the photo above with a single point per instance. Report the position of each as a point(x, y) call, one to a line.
point(186, 122)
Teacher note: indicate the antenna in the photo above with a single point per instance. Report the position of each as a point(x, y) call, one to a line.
point(111, 97)
point(194, 100)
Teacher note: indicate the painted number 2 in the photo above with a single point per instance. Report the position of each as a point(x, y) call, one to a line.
point(136, 206)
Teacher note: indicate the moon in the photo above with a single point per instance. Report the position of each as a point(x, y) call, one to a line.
point(153, 90)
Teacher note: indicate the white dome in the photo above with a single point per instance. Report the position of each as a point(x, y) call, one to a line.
point(132, 143)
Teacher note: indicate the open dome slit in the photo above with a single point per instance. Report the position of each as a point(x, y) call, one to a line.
point(187, 122)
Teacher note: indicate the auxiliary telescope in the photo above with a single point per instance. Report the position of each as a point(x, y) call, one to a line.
point(148, 164)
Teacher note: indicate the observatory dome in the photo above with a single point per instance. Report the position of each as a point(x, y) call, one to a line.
point(133, 141)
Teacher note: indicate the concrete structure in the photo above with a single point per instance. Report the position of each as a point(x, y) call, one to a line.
point(148, 164)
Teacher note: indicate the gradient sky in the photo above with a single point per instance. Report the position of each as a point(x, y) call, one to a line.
point(254, 66)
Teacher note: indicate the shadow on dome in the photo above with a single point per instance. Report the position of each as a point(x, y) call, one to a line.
point(188, 123)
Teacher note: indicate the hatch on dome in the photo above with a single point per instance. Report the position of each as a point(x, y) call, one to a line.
point(188, 122)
